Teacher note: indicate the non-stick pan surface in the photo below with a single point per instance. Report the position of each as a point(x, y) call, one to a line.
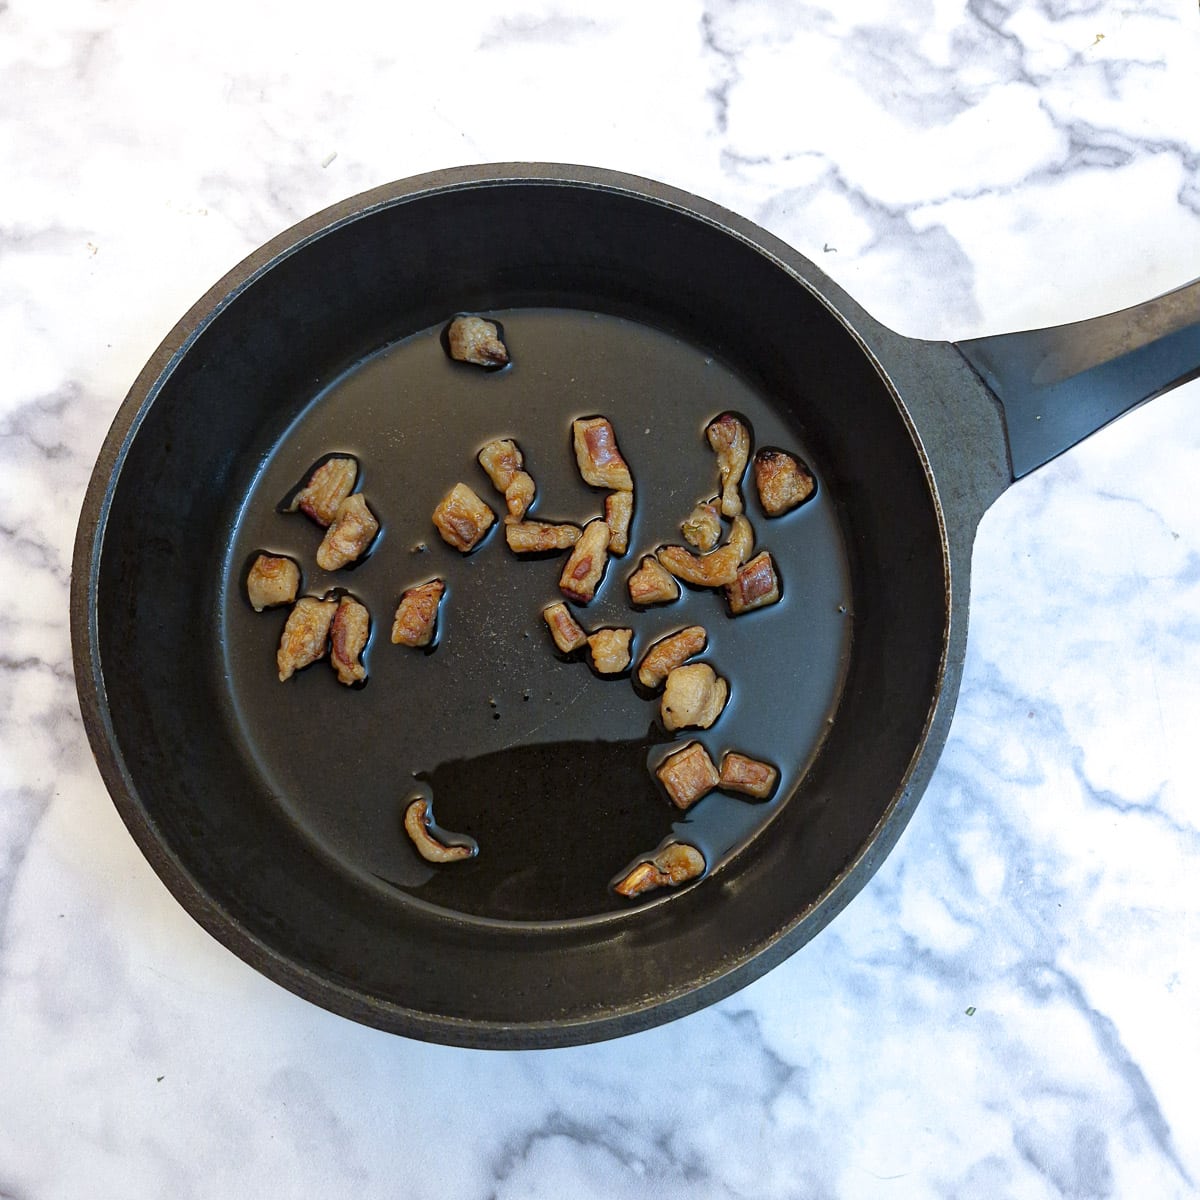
point(273, 810)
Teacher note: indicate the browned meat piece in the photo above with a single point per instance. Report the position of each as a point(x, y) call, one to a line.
point(652, 583)
point(702, 529)
point(688, 775)
point(670, 652)
point(711, 570)
point(618, 513)
point(502, 460)
point(462, 518)
point(672, 865)
point(610, 650)
point(327, 487)
point(596, 451)
point(756, 585)
point(474, 340)
point(305, 636)
point(748, 776)
point(416, 615)
point(536, 537)
point(731, 441)
point(272, 581)
point(416, 825)
point(353, 529)
point(348, 639)
point(783, 481)
point(585, 568)
point(564, 629)
point(694, 697)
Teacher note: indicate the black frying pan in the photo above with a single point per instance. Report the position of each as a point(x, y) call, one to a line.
point(272, 811)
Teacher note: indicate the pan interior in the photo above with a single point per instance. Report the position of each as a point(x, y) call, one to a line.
point(272, 810)
point(546, 765)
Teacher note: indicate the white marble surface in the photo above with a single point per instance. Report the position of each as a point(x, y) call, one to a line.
point(960, 169)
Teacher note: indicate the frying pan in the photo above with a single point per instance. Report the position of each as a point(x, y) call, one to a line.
point(273, 811)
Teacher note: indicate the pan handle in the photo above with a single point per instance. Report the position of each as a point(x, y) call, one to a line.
point(1058, 385)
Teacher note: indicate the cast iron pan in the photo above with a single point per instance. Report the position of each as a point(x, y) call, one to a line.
point(273, 811)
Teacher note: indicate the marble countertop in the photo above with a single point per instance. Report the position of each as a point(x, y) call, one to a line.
point(1011, 1008)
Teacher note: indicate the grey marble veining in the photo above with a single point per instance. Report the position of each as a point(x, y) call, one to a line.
point(1010, 1009)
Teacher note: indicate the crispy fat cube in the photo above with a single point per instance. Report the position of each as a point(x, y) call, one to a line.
point(305, 636)
point(688, 775)
point(784, 482)
point(730, 439)
point(502, 460)
point(693, 698)
point(585, 568)
point(702, 528)
point(748, 776)
point(670, 652)
point(462, 518)
point(652, 583)
point(326, 488)
point(618, 513)
point(755, 586)
point(610, 650)
point(474, 340)
point(599, 458)
point(353, 529)
point(567, 633)
point(272, 580)
point(537, 537)
point(348, 639)
point(672, 865)
point(416, 615)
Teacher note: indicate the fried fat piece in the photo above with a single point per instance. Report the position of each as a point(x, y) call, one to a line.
point(327, 487)
point(567, 633)
point(610, 650)
point(755, 586)
point(674, 864)
point(503, 462)
point(694, 697)
point(731, 441)
point(784, 482)
point(416, 617)
point(599, 458)
point(462, 518)
point(702, 528)
point(536, 537)
point(272, 580)
point(688, 775)
point(716, 569)
point(353, 529)
point(474, 340)
point(652, 583)
point(348, 639)
point(305, 636)
point(585, 568)
point(416, 825)
point(618, 513)
point(748, 776)
point(670, 652)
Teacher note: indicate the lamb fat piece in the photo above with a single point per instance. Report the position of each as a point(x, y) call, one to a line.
point(748, 776)
point(327, 487)
point(755, 586)
point(272, 580)
point(618, 513)
point(702, 528)
point(416, 825)
point(599, 458)
point(536, 537)
point(474, 340)
point(694, 697)
point(585, 568)
point(670, 652)
point(416, 617)
point(348, 639)
point(672, 865)
point(730, 439)
point(716, 569)
point(652, 583)
point(305, 636)
point(783, 481)
point(564, 629)
point(462, 518)
point(688, 775)
point(353, 529)
point(610, 650)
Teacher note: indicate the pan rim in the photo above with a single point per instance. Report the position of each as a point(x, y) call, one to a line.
point(770, 947)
